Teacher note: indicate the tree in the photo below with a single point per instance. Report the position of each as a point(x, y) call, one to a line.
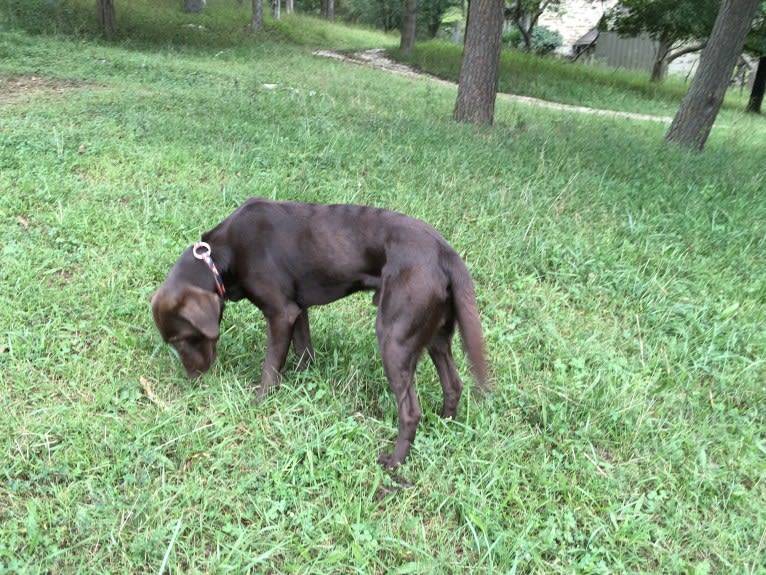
point(107, 19)
point(328, 9)
point(195, 6)
point(526, 13)
point(678, 26)
point(756, 44)
point(408, 26)
point(432, 13)
point(759, 85)
point(257, 22)
point(694, 119)
point(481, 62)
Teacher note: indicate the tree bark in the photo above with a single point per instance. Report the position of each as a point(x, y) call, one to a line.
point(107, 19)
point(759, 84)
point(328, 9)
point(408, 26)
point(257, 23)
point(694, 119)
point(479, 72)
point(660, 66)
point(194, 6)
point(276, 9)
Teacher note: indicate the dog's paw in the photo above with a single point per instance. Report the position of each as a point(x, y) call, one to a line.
point(263, 392)
point(388, 462)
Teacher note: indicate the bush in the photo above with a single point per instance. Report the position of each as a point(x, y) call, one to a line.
point(544, 40)
point(42, 16)
point(153, 22)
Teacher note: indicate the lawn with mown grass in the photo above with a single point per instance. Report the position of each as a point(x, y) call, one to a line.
point(560, 80)
point(620, 281)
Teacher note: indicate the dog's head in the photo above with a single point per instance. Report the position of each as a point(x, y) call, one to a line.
point(188, 318)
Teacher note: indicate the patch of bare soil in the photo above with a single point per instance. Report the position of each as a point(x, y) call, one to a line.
point(24, 86)
point(377, 58)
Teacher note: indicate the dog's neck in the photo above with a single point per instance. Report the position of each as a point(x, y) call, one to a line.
point(224, 262)
point(203, 252)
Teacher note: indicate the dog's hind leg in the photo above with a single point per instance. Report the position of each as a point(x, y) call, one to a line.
point(440, 350)
point(409, 314)
point(399, 354)
point(399, 363)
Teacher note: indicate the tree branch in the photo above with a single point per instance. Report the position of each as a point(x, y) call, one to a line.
point(685, 50)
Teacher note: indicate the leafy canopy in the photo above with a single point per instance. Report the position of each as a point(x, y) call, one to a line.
point(670, 21)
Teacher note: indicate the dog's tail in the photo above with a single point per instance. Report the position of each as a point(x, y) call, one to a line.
point(467, 313)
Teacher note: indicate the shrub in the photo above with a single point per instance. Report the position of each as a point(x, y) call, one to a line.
point(544, 40)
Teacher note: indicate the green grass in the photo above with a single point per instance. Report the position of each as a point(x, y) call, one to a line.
point(620, 281)
point(160, 23)
point(565, 82)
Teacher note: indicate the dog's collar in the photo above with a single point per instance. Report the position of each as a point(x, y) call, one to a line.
point(201, 251)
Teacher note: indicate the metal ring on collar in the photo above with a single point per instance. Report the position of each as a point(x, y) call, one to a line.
point(201, 250)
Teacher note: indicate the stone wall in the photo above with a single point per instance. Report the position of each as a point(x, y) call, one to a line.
point(573, 19)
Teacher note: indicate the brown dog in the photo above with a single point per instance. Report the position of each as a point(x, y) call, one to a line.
point(285, 257)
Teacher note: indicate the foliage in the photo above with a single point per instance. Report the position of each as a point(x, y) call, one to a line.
point(525, 14)
point(620, 284)
point(671, 21)
point(679, 27)
point(544, 40)
point(756, 39)
point(383, 14)
point(224, 22)
point(387, 14)
point(431, 15)
point(452, 26)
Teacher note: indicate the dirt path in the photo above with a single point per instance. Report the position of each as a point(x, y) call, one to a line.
point(376, 58)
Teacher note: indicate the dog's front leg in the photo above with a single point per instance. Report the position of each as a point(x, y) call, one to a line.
point(279, 333)
point(302, 340)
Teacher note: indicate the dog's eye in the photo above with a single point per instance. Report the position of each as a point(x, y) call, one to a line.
point(186, 340)
point(181, 345)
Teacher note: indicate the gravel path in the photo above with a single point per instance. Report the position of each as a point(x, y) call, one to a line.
point(376, 58)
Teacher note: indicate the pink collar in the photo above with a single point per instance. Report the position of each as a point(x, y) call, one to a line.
point(201, 251)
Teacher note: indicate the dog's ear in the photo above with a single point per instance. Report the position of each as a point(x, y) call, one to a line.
point(202, 309)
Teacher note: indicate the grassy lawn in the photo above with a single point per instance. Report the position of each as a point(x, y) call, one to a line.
point(558, 80)
point(621, 284)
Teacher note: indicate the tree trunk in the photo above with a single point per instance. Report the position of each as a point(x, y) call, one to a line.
point(194, 6)
point(660, 66)
point(759, 84)
point(290, 6)
point(694, 119)
point(526, 37)
point(467, 15)
point(276, 9)
point(328, 9)
point(106, 16)
point(257, 23)
point(408, 26)
point(481, 62)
